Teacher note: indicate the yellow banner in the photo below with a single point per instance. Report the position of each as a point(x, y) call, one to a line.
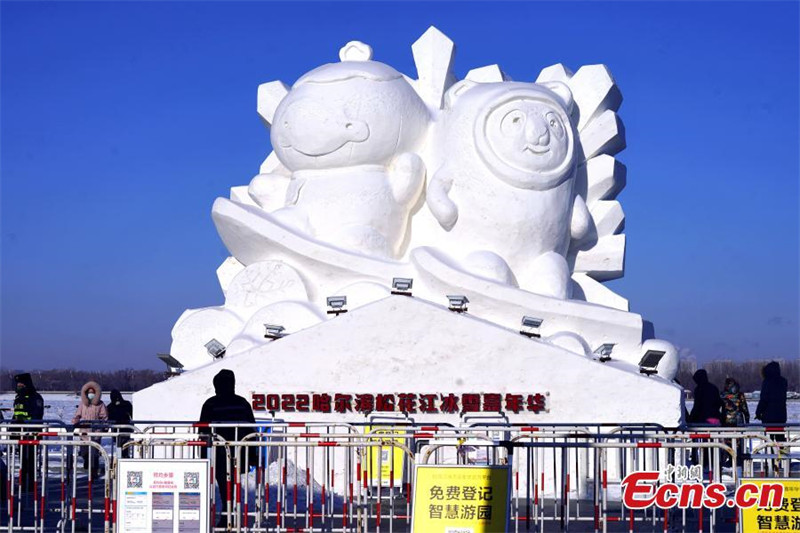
point(774, 519)
point(463, 499)
point(388, 465)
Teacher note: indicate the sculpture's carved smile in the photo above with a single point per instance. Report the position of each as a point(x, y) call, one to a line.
point(315, 130)
point(536, 149)
point(310, 153)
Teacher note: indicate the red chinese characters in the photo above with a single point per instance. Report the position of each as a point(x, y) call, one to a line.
point(404, 402)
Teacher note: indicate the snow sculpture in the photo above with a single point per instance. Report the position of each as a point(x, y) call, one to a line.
point(518, 214)
point(504, 192)
point(348, 133)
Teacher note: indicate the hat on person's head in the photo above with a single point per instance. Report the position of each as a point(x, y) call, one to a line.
point(25, 379)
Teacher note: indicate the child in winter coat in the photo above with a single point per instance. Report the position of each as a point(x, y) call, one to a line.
point(734, 405)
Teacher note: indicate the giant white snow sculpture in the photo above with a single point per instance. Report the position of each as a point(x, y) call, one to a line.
point(498, 190)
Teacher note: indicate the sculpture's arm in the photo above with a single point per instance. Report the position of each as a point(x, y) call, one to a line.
point(581, 219)
point(406, 178)
point(443, 208)
point(269, 190)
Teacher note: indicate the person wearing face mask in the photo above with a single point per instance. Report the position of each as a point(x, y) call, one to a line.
point(734, 413)
point(91, 409)
point(28, 406)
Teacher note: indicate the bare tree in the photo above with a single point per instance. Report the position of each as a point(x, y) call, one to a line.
point(70, 379)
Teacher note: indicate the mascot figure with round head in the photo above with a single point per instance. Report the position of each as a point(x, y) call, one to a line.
point(349, 133)
point(504, 185)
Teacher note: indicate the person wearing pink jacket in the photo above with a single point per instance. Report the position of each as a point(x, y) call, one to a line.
point(90, 409)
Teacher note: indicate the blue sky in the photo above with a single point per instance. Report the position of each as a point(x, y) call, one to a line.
point(121, 122)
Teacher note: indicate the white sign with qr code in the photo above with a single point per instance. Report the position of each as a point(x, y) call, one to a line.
point(168, 496)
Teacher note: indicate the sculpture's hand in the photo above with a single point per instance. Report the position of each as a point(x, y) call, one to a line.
point(439, 202)
point(269, 190)
point(293, 191)
point(406, 178)
point(581, 219)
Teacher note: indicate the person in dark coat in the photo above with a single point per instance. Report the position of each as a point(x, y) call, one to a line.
point(707, 408)
point(28, 406)
point(226, 406)
point(771, 407)
point(120, 411)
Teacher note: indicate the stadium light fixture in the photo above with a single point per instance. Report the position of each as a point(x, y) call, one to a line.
point(458, 303)
point(402, 286)
point(649, 363)
point(530, 327)
point(274, 331)
point(336, 305)
point(174, 367)
point(604, 352)
point(215, 349)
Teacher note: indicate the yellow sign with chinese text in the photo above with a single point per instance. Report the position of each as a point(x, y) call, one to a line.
point(462, 499)
point(386, 462)
point(773, 519)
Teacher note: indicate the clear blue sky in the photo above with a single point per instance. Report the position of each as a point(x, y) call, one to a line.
point(121, 122)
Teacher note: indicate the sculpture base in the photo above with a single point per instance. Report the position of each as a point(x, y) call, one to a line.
point(403, 348)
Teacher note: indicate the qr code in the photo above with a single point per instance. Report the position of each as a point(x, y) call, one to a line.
point(135, 480)
point(191, 480)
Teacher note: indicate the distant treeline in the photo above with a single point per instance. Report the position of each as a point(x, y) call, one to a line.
point(747, 373)
point(69, 379)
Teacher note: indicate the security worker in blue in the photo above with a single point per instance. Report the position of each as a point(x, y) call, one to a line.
point(28, 406)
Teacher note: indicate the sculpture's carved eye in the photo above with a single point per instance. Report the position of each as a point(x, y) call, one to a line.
point(555, 124)
point(513, 122)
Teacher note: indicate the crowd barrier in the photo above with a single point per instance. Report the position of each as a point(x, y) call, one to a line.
point(319, 476)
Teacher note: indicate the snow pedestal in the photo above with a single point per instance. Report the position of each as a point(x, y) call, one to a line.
point(404, 344)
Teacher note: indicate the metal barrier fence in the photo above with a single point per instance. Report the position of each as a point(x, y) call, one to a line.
point(317, 476)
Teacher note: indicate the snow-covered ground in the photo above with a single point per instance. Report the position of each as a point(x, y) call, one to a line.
point(60, 406)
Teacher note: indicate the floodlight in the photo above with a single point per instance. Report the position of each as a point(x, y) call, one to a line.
point(604, 351)
point(530, 327)
point(649, 363)
point(174, 367)
point(336, 305)
point(274, 331)
point(458, 302)
point(215, 349)
point(402, 286)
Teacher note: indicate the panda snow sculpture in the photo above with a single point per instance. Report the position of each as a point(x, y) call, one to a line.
point(504, 187)
point(349, 133)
